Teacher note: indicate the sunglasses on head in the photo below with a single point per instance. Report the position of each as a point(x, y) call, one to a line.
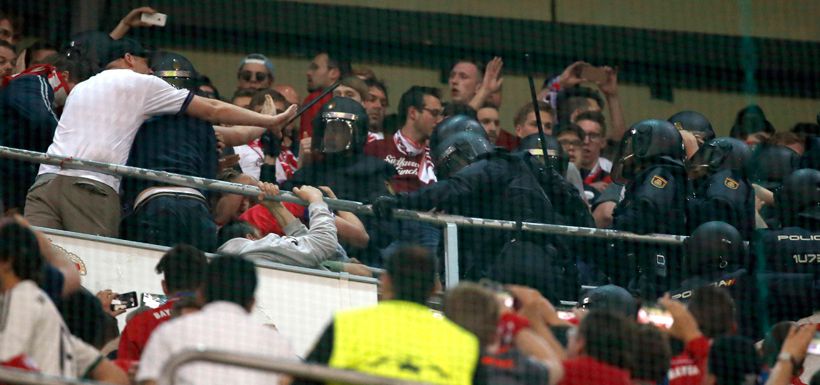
point(253, 76)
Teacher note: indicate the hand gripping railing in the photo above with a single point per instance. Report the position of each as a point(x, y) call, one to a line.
point(450, 222)
point(21, 377)
point(291, 367)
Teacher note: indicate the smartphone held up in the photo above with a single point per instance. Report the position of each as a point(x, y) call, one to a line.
point(157, 19)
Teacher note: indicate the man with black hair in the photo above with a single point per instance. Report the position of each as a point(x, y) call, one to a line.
point(8, 57)
point(324, 70)
point(183, 269)
point(400, 337)
point(709, 314)
point(407, 151)
point(376, 103)
point(733, 360)
point(29, 109)
point(600, 350)
point(10, 27)
point(652, 356)
point(224, 323)
point(594, 167)
point(31, 328)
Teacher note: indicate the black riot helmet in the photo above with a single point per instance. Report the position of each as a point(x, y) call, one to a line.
point(647, 142)
point(770, 164)
point(340, 127)
point(750, 120)
point(456, 142)
point(719, 154)
point(555, 158)
point(695, 123)
point(800, 191)
point(175, 69)
point(713, 246)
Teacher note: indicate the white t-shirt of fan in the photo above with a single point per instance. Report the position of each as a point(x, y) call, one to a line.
point(103, 114)
point(31, 325)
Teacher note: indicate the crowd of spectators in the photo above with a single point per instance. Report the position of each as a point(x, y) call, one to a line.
point(749, 202)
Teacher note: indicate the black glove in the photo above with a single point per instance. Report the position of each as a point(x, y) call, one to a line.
point(383, 206)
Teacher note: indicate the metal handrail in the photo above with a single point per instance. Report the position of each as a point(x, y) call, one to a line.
point(291, 367)
point(21, 377)
point(336, 204)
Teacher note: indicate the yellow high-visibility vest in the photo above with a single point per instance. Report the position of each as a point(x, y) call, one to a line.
point(404, 340)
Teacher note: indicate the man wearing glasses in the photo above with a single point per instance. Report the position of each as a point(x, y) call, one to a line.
point(255, 72)
point(407, 150)
point(594, 169)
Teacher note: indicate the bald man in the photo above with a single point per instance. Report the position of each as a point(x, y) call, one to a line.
point(288, 92)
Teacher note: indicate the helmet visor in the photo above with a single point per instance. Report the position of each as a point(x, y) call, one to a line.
point(553, 160)
point(338, 132)
point(451, 161)
point(626, 163)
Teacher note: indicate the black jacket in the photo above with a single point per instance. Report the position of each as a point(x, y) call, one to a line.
point(27, 121)
point(725, 196)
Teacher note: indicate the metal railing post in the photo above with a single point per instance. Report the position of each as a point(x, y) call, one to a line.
point(451, 272)
point(291, 367)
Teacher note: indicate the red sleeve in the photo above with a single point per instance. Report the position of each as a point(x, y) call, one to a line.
point(262, 219)
point(129, 349)
point(698, 349)
point(306, 120)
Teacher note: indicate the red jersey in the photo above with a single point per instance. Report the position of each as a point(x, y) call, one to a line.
point(412, 161)
point(586, 370)
point(135, 335)
point(261, 218)
point(507, 140)
point(306, 120)
point(689, 367)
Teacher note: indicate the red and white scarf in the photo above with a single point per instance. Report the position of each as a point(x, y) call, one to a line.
point(410, 148)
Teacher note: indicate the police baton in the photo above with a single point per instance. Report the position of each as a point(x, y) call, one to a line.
point(314, 101)
point(535, 110)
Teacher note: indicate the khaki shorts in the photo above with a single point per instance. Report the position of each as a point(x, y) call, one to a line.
point(73, 204)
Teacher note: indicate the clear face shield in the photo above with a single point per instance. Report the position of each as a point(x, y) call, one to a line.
point(451, 161)
point(553, 160)
point(338, 132)
point(625, 167)
point(706, 159)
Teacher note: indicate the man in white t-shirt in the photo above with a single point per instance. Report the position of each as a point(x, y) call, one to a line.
point(30, 325)
point(99, 123)
point(225, 323)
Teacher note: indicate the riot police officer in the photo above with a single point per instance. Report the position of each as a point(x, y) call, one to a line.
point(650, 164)
point(695, 123)
point(477, 179)
point(550, 169)
point(715, 255)
point(721, 190)
point(792, 253)
point(164, 214)
point(339, 134)
point(338, 161)
point(769, 165)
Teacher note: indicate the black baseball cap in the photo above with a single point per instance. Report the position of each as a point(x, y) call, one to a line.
point(118, 49)
point(611, 298)
point(101, 49)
